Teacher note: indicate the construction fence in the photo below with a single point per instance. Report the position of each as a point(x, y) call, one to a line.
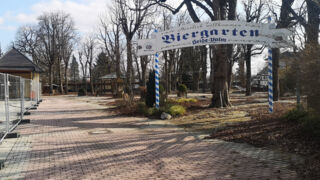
point(17, 96)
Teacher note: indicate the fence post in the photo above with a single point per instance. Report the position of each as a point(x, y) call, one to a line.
point(22, 97)
point(6, 97)
point(31, 94)
point(38, 94)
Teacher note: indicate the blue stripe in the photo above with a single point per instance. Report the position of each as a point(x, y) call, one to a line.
point(157, 89)
point(270, 103)
point(157, 95)
point(270, 96)
point(270, 84)
point(270, 64)
point(270, 58)
point(270, 109)
point(270, 90)
point(157, 55)
point(270, 51)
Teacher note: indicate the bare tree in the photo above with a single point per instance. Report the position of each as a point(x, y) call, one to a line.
point(27, 41)
point(215, 10)
point(88, 47)
point(132, 15)
point(47, 32)
point(74, 72)
point(254, 12)
point(109, 34)
point(84, 69)
point(66, 40)
point(284, 21)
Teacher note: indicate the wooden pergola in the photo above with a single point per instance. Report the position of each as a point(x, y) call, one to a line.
point(111, 83)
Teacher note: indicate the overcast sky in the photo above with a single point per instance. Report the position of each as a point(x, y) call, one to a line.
point(86, 13)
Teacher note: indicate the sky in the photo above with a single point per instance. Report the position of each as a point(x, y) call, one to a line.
point(86, 13)
point(15, 13)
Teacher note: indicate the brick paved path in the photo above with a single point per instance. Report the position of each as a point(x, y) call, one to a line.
point(72, 139)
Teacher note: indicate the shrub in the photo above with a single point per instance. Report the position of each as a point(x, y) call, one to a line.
point(143, 93)
point(152, 112)
point(176, 110)
point(150, 96)
point(295, 115)
point(311, 125)
point(182, 88)
point(81, 92)
point(186, 100)
point(141, 108)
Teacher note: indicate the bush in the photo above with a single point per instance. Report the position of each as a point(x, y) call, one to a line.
point(143, 93)
point(176, 110)
point(141, 108)
point(186, 100)
point(182, 88)
point(311, 125)
point(81, 92)
point(150, 96)
point(295, 115)
point(309, 121)
point(152, 112)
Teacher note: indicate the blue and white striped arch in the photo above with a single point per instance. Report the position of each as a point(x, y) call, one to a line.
point(270, 76)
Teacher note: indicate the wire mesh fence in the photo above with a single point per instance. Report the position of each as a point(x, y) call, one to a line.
point(17, 96)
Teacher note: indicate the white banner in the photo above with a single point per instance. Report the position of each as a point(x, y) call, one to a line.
point(214, 32)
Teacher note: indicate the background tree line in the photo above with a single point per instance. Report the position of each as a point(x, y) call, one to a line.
point(55, 45)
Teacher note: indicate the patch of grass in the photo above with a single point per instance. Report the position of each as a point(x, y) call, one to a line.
point(177, 110)
point(186, 100)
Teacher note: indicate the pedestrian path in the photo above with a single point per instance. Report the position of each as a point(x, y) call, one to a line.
point(72, 139)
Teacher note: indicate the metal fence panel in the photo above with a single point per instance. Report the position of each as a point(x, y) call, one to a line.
point(17, 95)
point(14, 100)
point(3, 108)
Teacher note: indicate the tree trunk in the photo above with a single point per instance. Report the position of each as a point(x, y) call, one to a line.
point(144, 63)
point(242, 75)
point(91, 82)
point(204, 52)
point(275, 73)
point(60, 78)
point(312, 28)
point(66, 79)
point(195, 78)
point(221, 94)
point(129, 69)
point(166, 74)
point(50, 80)
point(212, 59)
point(248, 67)
point(118, 71)
point(230, 65)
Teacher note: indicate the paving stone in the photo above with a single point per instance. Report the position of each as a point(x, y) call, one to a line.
point(59, 144)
